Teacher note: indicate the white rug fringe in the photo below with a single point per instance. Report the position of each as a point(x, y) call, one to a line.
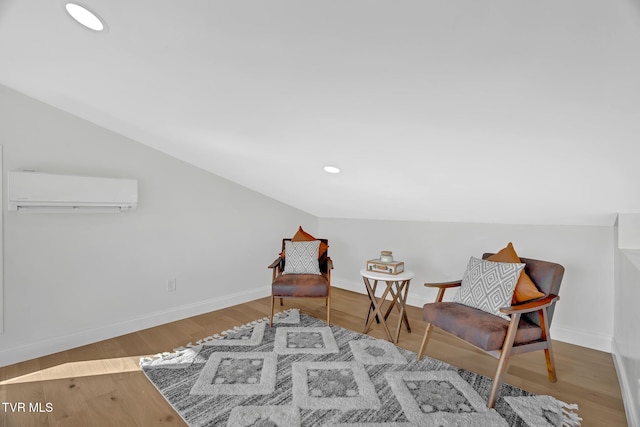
point(188, 351)
point(569, 418)
point(534, 415)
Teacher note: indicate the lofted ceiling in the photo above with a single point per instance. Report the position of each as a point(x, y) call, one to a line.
point(506, 111)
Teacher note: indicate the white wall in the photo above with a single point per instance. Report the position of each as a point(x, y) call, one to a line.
point(72, 279)
point(626, 341)
point(1, 245)
point(628, 234)
point(438, 251)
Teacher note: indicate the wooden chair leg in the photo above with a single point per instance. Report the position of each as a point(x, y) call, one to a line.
point(281, 301)
point(503, 362)
point(273, 301)
point(425, 340)
point(551, 368)
point(548, 354)
point(328, 310)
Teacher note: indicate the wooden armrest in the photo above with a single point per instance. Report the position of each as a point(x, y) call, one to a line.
point(275, 263)
point(444, 285)
point(528, 307)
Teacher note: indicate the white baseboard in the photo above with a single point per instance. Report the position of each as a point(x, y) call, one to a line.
point(349, 285)
point(631, 408)
point(66, 342)
point(582, 338)
point(573, 336)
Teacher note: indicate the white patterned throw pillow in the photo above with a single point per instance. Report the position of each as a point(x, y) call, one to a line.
point(302, 257)
point(489, 285)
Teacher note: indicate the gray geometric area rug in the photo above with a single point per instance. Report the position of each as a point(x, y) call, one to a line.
point(302, 373)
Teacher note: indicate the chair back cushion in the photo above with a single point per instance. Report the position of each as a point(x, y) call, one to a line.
point(547, 277)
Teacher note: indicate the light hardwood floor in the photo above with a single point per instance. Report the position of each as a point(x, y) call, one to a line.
point(101, 384)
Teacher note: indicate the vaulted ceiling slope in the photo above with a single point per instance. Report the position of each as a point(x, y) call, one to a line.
point(460, 110)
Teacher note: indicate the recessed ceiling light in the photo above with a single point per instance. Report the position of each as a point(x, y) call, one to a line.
point(331, 169)
point(85, 16)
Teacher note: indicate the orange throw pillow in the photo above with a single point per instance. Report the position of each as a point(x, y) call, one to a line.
point(303, 236)
point(525, 290)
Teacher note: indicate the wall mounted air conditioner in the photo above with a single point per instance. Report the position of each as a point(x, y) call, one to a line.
point(49, 193)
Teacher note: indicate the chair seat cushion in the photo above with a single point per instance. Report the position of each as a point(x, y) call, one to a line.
point(477, 327)
point(300, 285)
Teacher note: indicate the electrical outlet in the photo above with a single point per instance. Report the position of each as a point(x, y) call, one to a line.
point(171, 285)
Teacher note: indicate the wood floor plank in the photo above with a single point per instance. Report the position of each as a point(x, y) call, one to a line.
point(136, 388)
point(111, 408)
point(102, 383)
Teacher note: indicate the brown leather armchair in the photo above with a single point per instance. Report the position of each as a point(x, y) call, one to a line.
point(301, 285)
point(527, 331)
